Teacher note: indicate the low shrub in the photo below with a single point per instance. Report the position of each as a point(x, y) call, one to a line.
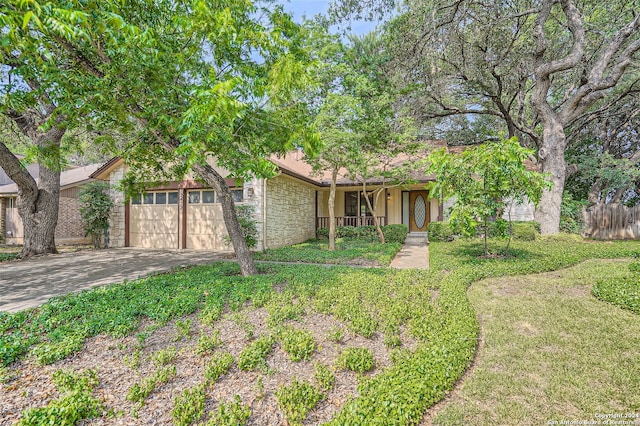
point(164, 356)
point(440, 231)
point(562, 237)
point(395, 233)
point(392, 233)
point(207, 343)
point(219, 365)
point(76, 402)
point(231, 414)
point(299, 344)
point(525, 231)
point(496, 229)
point(188, 407)
point(296, 400)
point(140, 391)
point(255, 354)
point(5, 257)
point(359, 360)
point(324, 378)
point(520, 230)
point(571, 218)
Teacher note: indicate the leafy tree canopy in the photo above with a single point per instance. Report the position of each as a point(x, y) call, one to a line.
point(483, 180)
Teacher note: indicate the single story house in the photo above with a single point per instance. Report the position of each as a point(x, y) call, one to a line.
point(69, 228)
point(287, 208)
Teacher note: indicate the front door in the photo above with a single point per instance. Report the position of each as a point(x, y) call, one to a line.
point(418, 211)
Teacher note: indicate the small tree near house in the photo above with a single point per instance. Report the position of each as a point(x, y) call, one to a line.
point(95, 208)
point(484, 179)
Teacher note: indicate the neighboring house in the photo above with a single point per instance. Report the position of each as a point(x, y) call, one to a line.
point(69, 228)
point(287, 208)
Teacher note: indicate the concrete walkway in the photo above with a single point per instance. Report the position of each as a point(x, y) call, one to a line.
point(34, 281)
point(414, 253)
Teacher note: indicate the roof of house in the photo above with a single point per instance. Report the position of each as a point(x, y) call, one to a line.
point(293, 164)
point(68, 178)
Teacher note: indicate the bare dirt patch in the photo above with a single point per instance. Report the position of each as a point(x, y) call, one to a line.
point(114, 360)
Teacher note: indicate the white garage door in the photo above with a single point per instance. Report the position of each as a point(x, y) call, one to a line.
point(205, 225)
point(154, 220)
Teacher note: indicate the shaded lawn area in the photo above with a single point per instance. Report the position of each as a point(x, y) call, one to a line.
point(423, 318)
point(551, 352)
point(349, 251)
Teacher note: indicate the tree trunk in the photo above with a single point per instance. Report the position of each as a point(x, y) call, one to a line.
point(373, 213)
point(553, 163)
point(594, 192)
point(37, 202)
point(217, 182)
point(332, 210)
point(38, 208)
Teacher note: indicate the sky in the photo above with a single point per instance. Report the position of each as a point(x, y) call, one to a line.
point(310, 8)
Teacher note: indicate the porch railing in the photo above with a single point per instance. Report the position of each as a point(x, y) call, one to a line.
point(323, 222)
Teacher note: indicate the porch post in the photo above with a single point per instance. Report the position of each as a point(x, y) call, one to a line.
point(386, 207)
point(3, 218)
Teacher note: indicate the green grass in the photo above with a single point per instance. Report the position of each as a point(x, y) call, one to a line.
point(349, 251)
point(551, 352)
point(432, 306)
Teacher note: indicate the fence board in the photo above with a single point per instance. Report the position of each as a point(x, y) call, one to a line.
point(612, 222)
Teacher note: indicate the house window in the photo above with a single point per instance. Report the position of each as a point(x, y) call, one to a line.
point(351, 203)
point(173, 198)
point(405, 208)
point(12, 203)
point(355, 204)
point(148, 198)
point(208, 197)
point(136, 199)
point(161, 198)
point(194, 197)
point(236, 194)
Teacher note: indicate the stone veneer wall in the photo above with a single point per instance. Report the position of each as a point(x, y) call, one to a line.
point(291, 211)
point(254, 196)
point(116, 220)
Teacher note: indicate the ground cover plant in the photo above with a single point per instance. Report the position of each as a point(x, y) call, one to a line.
point(427, 313)
point(621, 291)
point(349, 251)
point(5, 257)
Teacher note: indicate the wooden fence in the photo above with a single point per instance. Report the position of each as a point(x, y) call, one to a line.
point(612, 222)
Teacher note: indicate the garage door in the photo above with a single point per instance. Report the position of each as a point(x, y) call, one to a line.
point(154, 220)
point(205, 225)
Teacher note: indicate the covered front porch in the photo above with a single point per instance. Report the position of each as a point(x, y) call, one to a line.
point(411, 206)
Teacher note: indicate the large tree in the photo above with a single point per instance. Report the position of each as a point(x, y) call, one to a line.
point(530, 69)
point(30, 116)
point(193, 79)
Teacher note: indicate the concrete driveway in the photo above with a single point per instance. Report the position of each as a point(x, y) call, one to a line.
point(32, 282)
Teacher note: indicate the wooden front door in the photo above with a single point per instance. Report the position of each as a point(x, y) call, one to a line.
point(419, 210)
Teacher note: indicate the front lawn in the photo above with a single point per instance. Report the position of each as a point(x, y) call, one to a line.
point(349, 251)
point(297, 341)
point(551, 353)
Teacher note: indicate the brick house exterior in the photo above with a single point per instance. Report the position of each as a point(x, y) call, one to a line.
point(69, 227)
